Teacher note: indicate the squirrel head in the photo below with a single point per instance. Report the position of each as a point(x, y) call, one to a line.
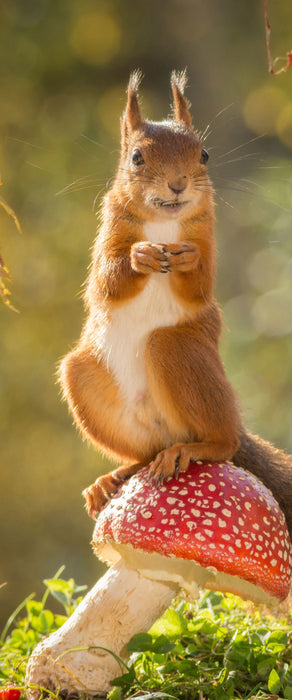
point(162, 168)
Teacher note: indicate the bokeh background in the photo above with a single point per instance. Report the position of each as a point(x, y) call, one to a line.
point(64, 71)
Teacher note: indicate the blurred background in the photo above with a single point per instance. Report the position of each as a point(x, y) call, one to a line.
point(64, 71)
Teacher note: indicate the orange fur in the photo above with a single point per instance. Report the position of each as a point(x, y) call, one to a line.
point(146, 382)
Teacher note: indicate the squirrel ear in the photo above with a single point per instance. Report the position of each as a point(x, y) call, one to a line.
point(131, 118)
point(132, 115)
point(180, 103)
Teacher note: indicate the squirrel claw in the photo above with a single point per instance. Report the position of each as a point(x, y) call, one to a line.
point(177, 468)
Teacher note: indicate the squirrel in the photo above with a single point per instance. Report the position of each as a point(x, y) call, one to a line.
point(145, 383)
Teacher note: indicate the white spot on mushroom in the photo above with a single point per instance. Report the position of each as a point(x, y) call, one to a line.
point(196, 513)
point(200, 537)
point(221, 522)
point(191, 525)
point(247, 505)
point(226, 512)
point(171, 500)
point(146, 514)
point(273, 562)
point(131, 518)
point(212, 487)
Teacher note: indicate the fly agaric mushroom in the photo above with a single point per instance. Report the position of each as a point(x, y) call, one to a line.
point(215, 526)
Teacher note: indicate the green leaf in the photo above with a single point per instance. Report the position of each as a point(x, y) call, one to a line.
point(274, 682)
point(162, 645)
point(44, 623)
point(265, 666)
point(126, 679)
point(115, 694)
point(140, 642)
point(171, 624)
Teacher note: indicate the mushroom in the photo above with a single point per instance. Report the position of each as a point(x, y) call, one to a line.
point(214, 526)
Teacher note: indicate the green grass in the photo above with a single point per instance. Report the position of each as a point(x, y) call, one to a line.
point(217, 647)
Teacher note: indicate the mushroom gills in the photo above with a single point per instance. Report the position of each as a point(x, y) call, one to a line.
point(188, 574)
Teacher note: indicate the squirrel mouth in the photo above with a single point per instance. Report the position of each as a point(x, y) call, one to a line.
point(168, 203)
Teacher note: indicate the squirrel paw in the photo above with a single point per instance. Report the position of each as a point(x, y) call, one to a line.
point(98, 494)
point(149, 257)
point(169, 463)
point(184, 256)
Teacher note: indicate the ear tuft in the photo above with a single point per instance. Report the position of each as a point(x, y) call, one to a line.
point(135, 80)
point(132, 114)
point(181, 105)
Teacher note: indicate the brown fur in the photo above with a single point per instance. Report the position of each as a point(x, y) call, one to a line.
point(188, 410)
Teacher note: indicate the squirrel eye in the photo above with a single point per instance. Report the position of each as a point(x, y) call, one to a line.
point(204, 156)
point(137, 157)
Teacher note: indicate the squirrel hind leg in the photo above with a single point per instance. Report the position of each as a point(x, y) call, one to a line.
point(188, 384)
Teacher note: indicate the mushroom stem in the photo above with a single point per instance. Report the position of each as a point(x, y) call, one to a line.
point(121, 604)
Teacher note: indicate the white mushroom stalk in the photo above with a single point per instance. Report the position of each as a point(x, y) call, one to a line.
point(121, 604)
point(214, 526)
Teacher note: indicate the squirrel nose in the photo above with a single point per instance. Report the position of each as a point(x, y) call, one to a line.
point(177, 188)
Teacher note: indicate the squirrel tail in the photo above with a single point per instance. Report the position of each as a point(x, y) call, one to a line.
point(271, 465)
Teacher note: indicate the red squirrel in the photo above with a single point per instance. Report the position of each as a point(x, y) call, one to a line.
point(145, 382)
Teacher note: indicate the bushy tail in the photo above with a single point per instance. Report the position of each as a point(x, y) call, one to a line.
point(272, 466)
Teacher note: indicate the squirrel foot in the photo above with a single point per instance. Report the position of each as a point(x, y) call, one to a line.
point(169, 463)
point(175, 459)
point(100, 492)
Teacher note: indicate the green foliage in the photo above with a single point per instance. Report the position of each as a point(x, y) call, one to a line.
point(217, 647)
point(21, 634)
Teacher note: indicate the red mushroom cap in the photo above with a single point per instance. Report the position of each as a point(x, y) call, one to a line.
point(219, 516)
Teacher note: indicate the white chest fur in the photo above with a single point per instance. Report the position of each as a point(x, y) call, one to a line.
point(124, 339)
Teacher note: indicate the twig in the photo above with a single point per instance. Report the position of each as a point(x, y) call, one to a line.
point(268, 45)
